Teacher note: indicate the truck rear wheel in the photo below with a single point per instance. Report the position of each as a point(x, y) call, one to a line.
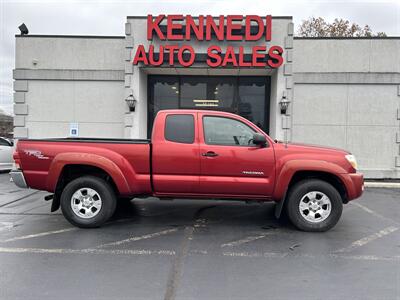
point(88, 202)
point(314, 205)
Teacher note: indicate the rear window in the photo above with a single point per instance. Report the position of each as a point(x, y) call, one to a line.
point(179, 129)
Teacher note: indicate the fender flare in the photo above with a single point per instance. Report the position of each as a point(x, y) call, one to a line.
point(101, 162)
point(290, 168)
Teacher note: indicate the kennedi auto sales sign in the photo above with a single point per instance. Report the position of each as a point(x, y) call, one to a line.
point(206, 28)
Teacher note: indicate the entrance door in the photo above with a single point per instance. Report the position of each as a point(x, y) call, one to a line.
point(230, 164)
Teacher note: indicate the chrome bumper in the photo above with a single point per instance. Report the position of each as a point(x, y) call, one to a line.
point(18, 178)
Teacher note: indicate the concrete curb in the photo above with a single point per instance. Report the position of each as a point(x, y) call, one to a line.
point(377, 184)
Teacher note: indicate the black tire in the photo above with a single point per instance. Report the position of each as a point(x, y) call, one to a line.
point(298, 191)
point(100, 186)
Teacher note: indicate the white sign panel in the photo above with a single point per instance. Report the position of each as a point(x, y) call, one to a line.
point(73, 129)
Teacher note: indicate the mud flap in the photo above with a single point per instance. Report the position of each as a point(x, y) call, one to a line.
point(55, 205)
point(279, 207)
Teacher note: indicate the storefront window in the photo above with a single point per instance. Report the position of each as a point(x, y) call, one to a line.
point(163, 94)
point(223, 90)
point(192, 89)
point(246, 96)
point(252, 104)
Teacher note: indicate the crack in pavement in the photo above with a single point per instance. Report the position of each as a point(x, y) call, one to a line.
point(183, 251)
point(16, 200)
point(177, 266)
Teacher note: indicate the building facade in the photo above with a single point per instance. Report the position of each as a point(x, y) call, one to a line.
point(342, 92)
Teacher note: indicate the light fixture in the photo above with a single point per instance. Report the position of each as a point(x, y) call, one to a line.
point(284, 105)
point(174, 87)
point(131, 101)
point(24, 30)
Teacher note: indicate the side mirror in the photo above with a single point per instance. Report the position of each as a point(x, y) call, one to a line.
point(259, 139)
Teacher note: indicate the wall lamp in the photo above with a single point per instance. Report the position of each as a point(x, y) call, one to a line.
point(284, 105)
point(131, 101)
point(24, 30)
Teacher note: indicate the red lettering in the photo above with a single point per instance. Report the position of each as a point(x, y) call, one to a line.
point(260, 24)
point(171, 49)
point(192, 56)
point(198, 30)
point(171, 26)
point(275, 57)
point(242, 62)
point(214, 53)
point(229, 57)
point(257, 56)
point(230, 26)
point(140, 56)
point(217, 29)
point(268, 27)
point(153, 25)
point(160, 58)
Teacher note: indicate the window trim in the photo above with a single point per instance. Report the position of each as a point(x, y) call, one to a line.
point(230, 118)
point(194, 128)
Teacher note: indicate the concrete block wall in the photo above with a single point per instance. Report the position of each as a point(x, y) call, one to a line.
point(54, 86)
point(288, 79)
point(128, 70)
point(346, 95)
point(136, 79)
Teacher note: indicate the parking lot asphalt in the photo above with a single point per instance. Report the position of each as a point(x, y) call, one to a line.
point(197, 249)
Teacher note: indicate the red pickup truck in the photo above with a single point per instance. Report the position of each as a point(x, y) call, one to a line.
point(192, 154)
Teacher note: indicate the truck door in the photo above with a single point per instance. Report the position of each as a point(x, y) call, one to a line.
point(230, 163)
point(175, 154)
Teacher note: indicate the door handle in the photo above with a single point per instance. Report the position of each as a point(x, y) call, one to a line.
point(210, 154)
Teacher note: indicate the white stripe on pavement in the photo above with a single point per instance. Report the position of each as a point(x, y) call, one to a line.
point(6, 225)
point(368, 239)
point(30, 236)
point(372, 212)
point(255, 254)
point(138, 238)
point(86, 251)
point(147, 252)
point(245, 240)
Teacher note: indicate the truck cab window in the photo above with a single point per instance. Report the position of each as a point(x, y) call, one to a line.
point(226, 131)
point(179, 129)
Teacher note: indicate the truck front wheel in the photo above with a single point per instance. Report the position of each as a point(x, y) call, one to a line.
point(314, 205)
point(88, 201)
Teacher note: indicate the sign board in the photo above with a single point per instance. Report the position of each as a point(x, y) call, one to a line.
point(204, 29)
point(73, 129)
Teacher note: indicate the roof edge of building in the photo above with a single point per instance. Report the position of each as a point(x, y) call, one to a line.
point(71, 36)
point(214, 17)
point(348, 38)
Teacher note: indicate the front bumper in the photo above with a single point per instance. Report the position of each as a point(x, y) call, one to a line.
point(18, 178)
point(355, 185)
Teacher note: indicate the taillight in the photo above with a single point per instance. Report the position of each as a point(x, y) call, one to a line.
point(17, 161)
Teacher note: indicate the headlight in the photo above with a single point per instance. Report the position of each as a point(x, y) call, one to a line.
point(352, 160)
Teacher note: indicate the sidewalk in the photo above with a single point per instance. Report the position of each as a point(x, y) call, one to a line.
point(382, 184)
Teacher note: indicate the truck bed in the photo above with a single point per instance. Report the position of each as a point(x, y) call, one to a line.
point(43, 160)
